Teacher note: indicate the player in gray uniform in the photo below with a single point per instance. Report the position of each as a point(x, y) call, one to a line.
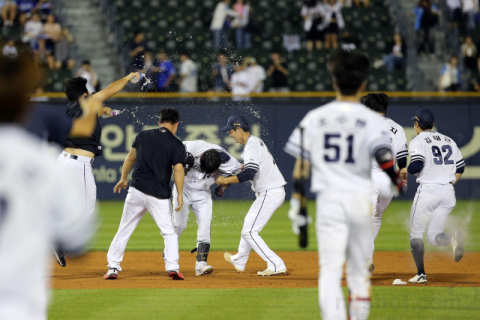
point(438, 164)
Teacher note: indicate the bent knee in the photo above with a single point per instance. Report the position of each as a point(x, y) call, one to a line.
point(431, 240)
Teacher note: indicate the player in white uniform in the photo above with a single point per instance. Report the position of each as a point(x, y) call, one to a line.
point(267, 183)
point(339, 140)
point(38, 208)
point(382, 192)
point(210, 161)
point(438, 164)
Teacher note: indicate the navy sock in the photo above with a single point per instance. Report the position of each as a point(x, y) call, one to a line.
point(418, 251)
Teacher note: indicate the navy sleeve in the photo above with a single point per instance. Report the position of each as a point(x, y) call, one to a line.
point(179, 154)
point(402, 162)
point(461, 170)
point(247, 175)
point(415, 167)
point(135, 142)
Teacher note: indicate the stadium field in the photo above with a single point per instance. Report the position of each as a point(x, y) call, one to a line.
point(143, 291)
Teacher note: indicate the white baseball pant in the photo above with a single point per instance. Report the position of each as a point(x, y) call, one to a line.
point(201, 203)
point(81, 175)
point(256, 219)
point(136, 204)
point(344, 232)
point(382, 196)
point(432, 205)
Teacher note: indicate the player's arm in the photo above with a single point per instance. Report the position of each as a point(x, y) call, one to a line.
point(127, 166)
point(417, 158)
point(460, 164)
point(85, 125)
point(115, 87)
point(179, 178)
point(402, 156)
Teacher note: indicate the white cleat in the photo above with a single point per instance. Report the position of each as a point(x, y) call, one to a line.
point(269, 273)
point(203, 269)
point(457, 246)
point(228, 257)
point(422, 278)
point(111, 274)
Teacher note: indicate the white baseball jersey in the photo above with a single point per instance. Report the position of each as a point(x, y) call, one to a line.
point(257, 157)
point(399, 142)
point(197, 180)
point(339, 140)
point(440, 156)
point(38, 209)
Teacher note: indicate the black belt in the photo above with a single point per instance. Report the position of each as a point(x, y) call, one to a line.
point(74, 157)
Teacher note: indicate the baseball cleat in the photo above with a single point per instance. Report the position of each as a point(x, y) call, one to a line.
point(228, 257)
point(419, 278)
point(457, 245)
point(111, 274)
point(371, 268)
point(203, 269)
point(175, 275)
point(269, 273)
point(60, 256)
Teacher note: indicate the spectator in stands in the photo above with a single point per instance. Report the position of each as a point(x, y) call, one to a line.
point(469, 54)
point(43, 53)
point(350, 41)
point(396, 58)
point(165, 70)
point(475, 82)
point(426, 18)
point(9, 12)
point(188, 74)
point(137, 51)
point(278, 72)
point(221, 73)
point(256, 74)
point(333, 22)
point(454, 12)
point(44, 8)
point(87, 72)
point(470, 9)
point(312, 14)
point(61, 51)
point(52, 29)
point(32, 30)
point(242, 36)
point(25, 9)
point(9, 50)
point(149, 64)
point(240, 83)
point(220, 24)
point(450, 76)
point(359, 3)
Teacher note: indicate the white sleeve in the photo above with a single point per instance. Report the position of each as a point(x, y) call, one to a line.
point(294, 146)
point(231, 167)
point(378, 136)
point(252, 156)
point(402, 146)
point(263, 75)
point(416, 150)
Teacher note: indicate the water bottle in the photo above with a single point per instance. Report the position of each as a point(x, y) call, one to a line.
point(113, 112)
point(136, 79)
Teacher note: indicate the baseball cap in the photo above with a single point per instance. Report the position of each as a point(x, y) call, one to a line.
point(424, 117)
point(235, 121)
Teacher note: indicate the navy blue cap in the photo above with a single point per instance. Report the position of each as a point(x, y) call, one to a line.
point(424, 117)
point(235, 121)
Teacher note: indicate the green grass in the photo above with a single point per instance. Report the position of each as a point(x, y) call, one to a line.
point(243, 304)
point(228, 219)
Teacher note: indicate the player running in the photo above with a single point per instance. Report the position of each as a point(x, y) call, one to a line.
point(382, 192)
point(267, 183)
point(340, 139)
point(438, 164)
point(210, 161)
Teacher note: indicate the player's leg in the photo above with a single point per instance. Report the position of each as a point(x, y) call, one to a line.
point(180, 218)
point(203, 207)
point(162, 213)
point(90, 189)
point(332, 234)
point(133, 211)
point(358, 277)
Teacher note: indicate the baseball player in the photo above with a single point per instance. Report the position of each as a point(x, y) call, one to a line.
point(79, 154)
point(438, 164)
point(339, 141)
point(382, 193)
point(210, 161)
point(38, 207)
point(154, 153)
point(267, 183)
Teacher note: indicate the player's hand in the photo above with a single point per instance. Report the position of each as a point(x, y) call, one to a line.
point(180, 202)
point(404, 176)
point(400, 186)
point(219, 191)
point(220, 181)
point(132, 75)
point(105, 110)
point(122, 184)
point(90, 105)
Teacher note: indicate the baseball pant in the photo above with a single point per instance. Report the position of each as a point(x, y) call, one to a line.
point(344, 232)
point(80, 173)
point(256, 219)
point(382, 196)
point(136, 204)
point(431, 206)
point(201, 203)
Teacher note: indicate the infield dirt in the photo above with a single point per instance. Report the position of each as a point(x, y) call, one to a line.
point(146, 270)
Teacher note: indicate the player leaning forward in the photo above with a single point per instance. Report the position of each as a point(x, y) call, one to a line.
point(339, 141)
point(438, 164)
point(267, 183)
point(209, 162)
point(154, 153)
